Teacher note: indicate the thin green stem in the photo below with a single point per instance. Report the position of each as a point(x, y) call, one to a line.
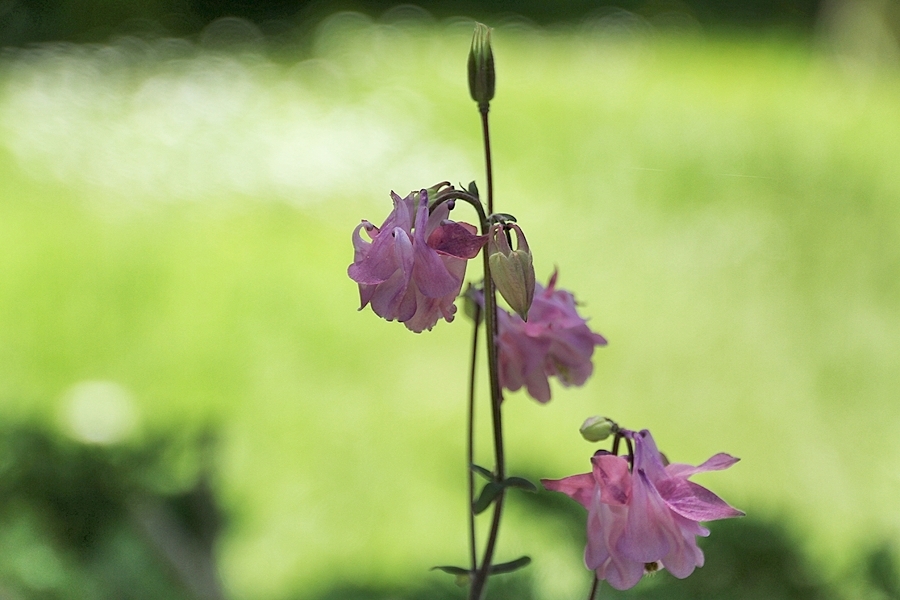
point(470, 441)
point(490, 320)
point(594, 587)
point(486, 134)
point(461, 195)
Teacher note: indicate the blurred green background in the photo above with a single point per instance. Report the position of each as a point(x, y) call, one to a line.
point(192, 407)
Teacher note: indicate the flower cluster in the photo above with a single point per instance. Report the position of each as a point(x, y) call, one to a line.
point(413, 268)
point(644, 513)
point(555, 341)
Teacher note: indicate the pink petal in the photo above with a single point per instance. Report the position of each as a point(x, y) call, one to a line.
point(601, 554)
point(391, 250)
point(578, 487)
point(457, 239)
point(437, 216)
point(612, 476)
point(694, 501)
point(425, 315)
point(389, 299)
point(651, 532)
point(686, 555)
point(402, 215)
point(429, 272)
point(538, 385)
point(647, 457)
point(716, 463)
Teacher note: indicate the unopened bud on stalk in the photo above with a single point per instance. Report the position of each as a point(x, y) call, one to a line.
point(512, 270)
point(597, 429)
point(481, 66)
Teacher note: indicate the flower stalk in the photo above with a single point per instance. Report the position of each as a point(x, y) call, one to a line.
point(479, 581)
point(643, 512)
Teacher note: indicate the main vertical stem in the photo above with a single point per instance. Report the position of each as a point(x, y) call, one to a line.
point(486, 134)
point(490, 320)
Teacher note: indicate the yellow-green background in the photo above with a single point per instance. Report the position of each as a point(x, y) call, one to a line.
point(177, 219)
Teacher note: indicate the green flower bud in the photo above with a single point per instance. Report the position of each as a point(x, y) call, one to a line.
point(512, 270)
point(597, 429)
point(481, 66)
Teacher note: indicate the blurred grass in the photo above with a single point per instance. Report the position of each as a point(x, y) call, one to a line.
point(724, 208)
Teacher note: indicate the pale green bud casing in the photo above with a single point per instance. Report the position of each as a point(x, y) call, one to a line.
point(512, 270)
point(597, 429)
point(481, 66)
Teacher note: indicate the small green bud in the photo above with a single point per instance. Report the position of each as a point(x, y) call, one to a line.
point(597, 429)
point(481, 66)
point(512, 271)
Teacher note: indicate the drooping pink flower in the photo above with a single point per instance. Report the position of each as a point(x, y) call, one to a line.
point(555, 341)
point(644, 516)
point(413, 268)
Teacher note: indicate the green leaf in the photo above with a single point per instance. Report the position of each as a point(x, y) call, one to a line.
point(489, 493)
point(458, 571)
point(472, 189)
point(483, 472)
point(521, 483)
point(511, 566)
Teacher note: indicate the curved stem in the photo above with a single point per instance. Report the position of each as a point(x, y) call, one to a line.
point(594, 587)
point(470, 441)
point(461, 195)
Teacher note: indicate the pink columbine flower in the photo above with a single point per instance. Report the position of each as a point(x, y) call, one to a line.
point(645, 516)
point(554, 341)
point(413, 268)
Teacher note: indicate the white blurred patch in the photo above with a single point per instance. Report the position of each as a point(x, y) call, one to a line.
point(171, 120)
point(99, 412)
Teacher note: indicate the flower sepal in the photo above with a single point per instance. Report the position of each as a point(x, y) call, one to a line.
point(512, 271)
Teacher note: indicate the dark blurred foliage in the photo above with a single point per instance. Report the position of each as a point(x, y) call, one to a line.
point(26, 21)
point(106, 522)
point(746, 559)
point(883, 571)
point(140, 521)
point(504, 587)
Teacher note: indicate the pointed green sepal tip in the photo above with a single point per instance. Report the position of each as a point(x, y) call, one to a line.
point(481, 66)
point(597, 429)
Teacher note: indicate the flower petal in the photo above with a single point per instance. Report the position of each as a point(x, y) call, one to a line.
point(457, 239)
point(647, 457)
point(610, 523)
point(613, 478)
point(694, 501)
point(715, 463)
point(391, 250)
point(578, 487)
point(651, 532)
